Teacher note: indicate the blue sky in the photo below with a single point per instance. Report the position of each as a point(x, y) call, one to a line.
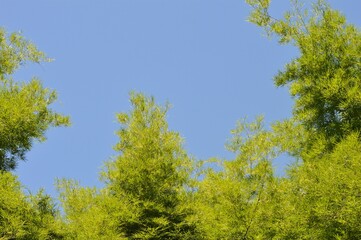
point(202, 56)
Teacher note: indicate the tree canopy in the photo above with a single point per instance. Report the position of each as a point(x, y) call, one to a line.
point(325, 78)
point(153, 189)
point(25, 112)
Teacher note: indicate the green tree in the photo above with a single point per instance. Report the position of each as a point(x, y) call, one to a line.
point(91, 213)
point(319, 197)
point(231, 203)
point(26, 217)
point(146, 193)
point(326, 77)
point(150, 174)
point(25, 113)
point(24, 117)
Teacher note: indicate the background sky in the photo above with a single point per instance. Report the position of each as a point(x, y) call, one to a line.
point(202, 56)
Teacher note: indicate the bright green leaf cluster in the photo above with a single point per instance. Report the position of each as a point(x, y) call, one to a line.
point(25, 114)
point(15, 51)
point(146, 184)
point(325, 78)
point(26, 217)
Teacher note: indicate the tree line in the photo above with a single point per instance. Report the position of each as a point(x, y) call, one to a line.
point(154, 190)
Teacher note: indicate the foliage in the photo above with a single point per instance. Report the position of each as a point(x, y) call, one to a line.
point(150, 174)
point(24, 117)
point(90, 213)
point(145, 187)
point(16, 51)
point(319, 197)
point(25, 114)
point(153, 189)
point(229, 201)
point(26, 217)
point(325, 194)
point(325, 78)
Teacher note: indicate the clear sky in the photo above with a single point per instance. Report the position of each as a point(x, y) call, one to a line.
point(202, 56)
